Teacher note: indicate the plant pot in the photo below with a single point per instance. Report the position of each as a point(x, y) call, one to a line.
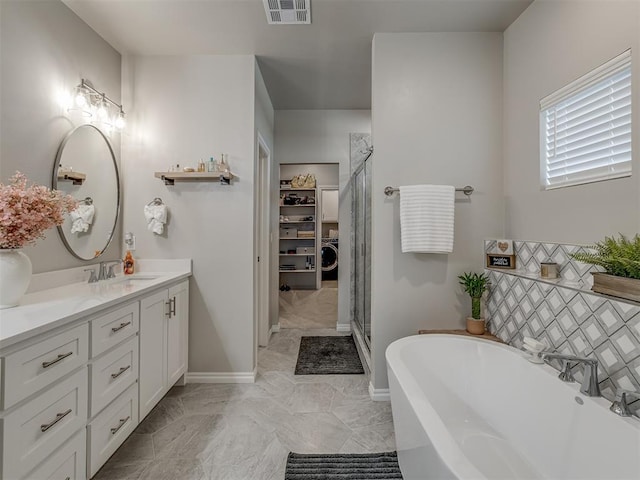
point(475, 326)
point(15, 275)
point(628, 288)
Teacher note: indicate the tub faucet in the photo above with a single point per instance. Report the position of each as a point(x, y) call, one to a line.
point(619, 405)
point(590, 386)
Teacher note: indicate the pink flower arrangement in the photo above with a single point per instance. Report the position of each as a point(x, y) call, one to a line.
point(27, 211)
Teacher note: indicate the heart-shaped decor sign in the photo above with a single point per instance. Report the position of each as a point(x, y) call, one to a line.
point(503, 246)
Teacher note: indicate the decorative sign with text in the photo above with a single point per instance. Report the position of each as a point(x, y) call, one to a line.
point(495, 260)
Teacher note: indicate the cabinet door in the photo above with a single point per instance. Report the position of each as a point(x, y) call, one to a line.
point(329, 205)
point(153, 347)
point(178, 332)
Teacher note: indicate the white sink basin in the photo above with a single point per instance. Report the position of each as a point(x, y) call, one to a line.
point(131, 279)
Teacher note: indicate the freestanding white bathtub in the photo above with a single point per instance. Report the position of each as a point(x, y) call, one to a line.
point(474, 409)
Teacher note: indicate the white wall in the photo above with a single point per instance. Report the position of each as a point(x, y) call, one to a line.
point(548, 46)
point(436, 118)
point(322, 136)
point(46, 49)
point(184, 108)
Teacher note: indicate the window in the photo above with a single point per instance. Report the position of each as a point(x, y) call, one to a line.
point(585, 127)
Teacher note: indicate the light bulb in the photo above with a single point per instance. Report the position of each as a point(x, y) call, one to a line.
point(120, 121)
point(102, 111)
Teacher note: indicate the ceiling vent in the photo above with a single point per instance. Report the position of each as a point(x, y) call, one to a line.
point(288, 12)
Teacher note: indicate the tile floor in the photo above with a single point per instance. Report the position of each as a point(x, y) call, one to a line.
point(244, 432)
point(310, 308)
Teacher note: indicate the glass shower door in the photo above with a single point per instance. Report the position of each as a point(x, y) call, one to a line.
point(361, 183)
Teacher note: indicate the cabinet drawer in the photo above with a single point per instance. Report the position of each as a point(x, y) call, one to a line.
point(110, 329)
point(32, 368)
point(112, 373)
point(112, 427)
point(39, 427)
point(68, 463)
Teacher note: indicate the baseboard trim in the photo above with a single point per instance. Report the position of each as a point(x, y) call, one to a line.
point(379, 394)
point(222, 377)
point(341, 327)
point(274, 328)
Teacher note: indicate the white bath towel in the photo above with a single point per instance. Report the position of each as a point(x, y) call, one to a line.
point(426, 218)
point(81, 218)
point(156, 216)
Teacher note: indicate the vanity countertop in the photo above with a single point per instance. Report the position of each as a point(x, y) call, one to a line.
point(47, 309)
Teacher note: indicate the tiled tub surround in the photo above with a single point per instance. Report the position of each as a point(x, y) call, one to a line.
point(566, 314)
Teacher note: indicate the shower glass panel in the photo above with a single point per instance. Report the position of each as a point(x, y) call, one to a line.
point(361, 183)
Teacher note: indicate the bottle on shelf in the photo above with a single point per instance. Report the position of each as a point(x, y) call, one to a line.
point(201, 167)
point(211, 165)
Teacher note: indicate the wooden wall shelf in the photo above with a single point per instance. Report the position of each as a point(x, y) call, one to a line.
point(170, 178)
point(76, 177)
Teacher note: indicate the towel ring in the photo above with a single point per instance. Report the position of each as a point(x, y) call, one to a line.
point(155, 201)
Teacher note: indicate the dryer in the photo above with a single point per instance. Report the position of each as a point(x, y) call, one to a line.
point(329, 254)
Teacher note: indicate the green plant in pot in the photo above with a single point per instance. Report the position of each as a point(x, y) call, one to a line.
point(620, 259)
point(475, 285)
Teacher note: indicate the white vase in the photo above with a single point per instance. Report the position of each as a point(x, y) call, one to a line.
point(15, 275)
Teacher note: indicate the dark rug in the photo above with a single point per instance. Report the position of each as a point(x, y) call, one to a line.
point(328, 356)
point(352, 466)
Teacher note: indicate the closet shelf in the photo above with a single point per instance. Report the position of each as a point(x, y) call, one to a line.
point(170, 178)
point(298, 206)
point(297, 238)
point(298, 271)
point(297, 254)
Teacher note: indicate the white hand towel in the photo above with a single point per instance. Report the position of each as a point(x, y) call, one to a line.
point(81, 218)
point(426, 218)
point(156, 216)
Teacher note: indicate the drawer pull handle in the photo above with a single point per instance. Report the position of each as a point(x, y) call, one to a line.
point(122, 422)
point(61, 356)
point(122, 325)
point(59, 417)
point(122, 370)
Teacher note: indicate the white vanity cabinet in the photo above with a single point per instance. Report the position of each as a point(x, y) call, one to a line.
point(164, 318)
point(71, 394)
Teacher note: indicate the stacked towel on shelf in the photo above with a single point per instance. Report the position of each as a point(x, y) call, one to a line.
point(156, 216)
point(426, 218)
point(81, 218)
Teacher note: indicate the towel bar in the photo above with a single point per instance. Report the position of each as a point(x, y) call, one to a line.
point(467, 190)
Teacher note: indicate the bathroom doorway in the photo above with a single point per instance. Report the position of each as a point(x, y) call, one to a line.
point(308, 245)
point(261, 245)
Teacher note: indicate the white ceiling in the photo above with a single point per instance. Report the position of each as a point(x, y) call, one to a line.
point(325, 65)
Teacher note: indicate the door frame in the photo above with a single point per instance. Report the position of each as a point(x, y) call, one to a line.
point(262, 237)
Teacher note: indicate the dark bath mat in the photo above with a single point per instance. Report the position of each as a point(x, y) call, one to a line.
point(352, 466)
point(328, 356)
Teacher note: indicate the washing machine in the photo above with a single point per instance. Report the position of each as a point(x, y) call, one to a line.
point(329, 254)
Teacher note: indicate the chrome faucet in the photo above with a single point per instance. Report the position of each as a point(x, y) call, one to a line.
point(92, 275)
point(590, 386)
point(111, 273)
point(102, 271)
point(619, 405)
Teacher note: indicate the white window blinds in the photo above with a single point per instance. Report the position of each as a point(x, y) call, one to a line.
point(585, 127)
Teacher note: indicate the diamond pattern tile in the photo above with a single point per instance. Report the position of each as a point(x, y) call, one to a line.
point(625, 310)
point(624, 343)
point(579, 308)
point(566, 314)
point(608, 318)
point(579, 343)
point(567, 322)
point(593, 332)
point(609, 358)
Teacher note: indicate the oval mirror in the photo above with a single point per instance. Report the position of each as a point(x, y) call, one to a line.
point(86, 169)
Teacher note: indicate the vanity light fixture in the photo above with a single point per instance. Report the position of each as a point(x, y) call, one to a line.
point(96, 104)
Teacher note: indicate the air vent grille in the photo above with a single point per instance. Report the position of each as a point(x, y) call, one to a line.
point(288, 12)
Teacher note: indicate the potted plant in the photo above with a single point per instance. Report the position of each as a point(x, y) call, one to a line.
point(475, 285)
point(620, 259)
